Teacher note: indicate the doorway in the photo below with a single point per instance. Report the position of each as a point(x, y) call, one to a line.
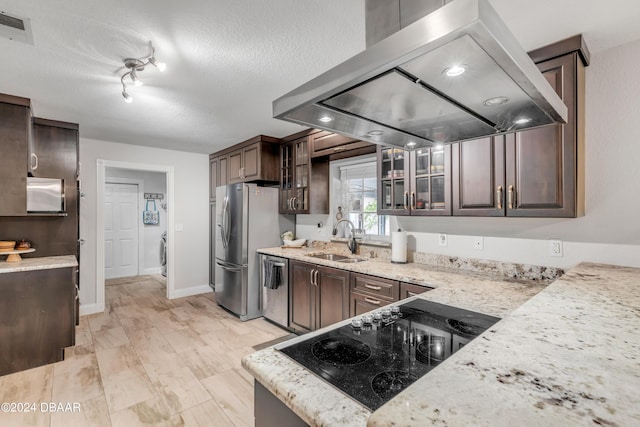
point(101, 196)
point(121, 230)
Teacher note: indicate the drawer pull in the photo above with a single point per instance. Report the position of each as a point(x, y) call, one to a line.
point(372, 287)
point(372, 301)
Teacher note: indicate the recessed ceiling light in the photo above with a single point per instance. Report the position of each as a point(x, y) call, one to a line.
point(375, 133)
point(455, 70)
point(522, 121)
point(325, 119)
point(498, 100)
point(411, 144)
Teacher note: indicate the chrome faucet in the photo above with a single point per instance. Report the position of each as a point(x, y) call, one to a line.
point(352, 244)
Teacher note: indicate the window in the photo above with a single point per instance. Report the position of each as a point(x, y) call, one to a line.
point(359, 196)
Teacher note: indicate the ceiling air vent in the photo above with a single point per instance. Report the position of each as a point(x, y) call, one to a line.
point(15, 28)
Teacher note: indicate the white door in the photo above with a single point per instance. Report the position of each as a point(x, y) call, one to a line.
point(121, 230)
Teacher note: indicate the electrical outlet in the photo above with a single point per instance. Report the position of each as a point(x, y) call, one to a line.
point(478, 243)
point(179, 227)
point(555, 247)
point(442, 240)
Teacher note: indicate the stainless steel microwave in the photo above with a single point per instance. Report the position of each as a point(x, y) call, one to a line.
point(45, 195)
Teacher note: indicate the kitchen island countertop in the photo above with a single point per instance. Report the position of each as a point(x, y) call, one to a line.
point(566, 356)
point(38, 263)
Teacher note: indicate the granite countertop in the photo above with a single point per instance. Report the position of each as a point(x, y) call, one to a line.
point(40, 263)
point(566, 356)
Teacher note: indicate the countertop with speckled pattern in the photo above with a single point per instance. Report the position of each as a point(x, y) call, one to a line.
point(567, 355)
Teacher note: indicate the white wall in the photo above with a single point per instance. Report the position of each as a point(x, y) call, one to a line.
point(152, 182)
point(191, 205)
point(610, 230)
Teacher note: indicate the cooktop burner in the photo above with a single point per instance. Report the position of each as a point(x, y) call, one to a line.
point(388, 384)
point(379, 356)
point(464, 327)
point(341, 351)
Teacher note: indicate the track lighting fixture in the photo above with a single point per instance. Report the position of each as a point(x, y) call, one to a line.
point(135, 66)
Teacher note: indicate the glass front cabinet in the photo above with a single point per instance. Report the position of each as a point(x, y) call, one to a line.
point(294, 176)
point(414, 182)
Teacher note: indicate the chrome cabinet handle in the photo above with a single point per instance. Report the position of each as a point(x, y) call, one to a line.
point(499, 196)
point(316, 277)
point(372, 301)
point(294, 201)
point(511, 197)
point(413, 200)
point(406, 200)
point(340, 148)
point(372, 287)
point(311, 277)
point(34, 156)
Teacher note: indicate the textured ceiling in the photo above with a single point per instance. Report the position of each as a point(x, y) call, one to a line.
point(227, 60)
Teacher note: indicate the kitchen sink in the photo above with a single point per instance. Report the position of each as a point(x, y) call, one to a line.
point(351, 260)
point(330, 257)
point(337, 258)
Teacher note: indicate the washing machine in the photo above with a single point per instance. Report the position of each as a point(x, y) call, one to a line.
point(163, 253)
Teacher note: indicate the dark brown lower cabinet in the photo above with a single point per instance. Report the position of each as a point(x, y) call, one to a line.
point(318, 296)
point(409, 289)
point(37, 314)
point(370, 292)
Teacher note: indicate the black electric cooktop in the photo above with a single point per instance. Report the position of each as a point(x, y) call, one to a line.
point(383, 352)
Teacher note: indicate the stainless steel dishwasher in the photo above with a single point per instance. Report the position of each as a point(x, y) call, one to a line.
point(275, 302)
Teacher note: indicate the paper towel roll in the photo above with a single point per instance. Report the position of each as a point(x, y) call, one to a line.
point(399, 247)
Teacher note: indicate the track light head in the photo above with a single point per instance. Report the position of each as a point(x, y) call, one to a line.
point(127, 98)
point(135, 66)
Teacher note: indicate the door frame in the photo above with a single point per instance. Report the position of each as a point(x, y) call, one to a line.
point(101, 165)
point(140, 199)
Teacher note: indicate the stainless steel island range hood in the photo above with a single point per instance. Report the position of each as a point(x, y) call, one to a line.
point(455, 74)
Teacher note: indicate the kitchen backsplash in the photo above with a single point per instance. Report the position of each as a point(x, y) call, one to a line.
point(498, 268)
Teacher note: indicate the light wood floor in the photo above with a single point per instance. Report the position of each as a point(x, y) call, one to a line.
point(146, 361)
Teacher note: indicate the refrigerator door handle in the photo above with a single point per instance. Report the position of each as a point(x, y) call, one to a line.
point(228, 221)
point(225, 222)
point(225, 267)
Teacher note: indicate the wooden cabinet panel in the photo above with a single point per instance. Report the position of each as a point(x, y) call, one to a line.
point(223, 163)
point(318, 296)
point(235, 167)
point(302, 297)
point(251, 162)
point(214, 178)
point(333, 286)
point(56, 146)
point(361, 303)
point(478, 177)
point(37, 311)
point(409, 289)
point(377, 286)
point(14, 125)
point(533, 173)
point(336, 146)
point(541, 163)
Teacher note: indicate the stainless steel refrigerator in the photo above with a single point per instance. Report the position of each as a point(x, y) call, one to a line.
point(247, 219)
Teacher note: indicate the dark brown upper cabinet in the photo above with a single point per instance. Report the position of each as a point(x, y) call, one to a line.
point(414, 182)
point(253, 160)
point(15, 126)
point(533, 173)
point(304, 184)
point(214, 177)
point(336, 146)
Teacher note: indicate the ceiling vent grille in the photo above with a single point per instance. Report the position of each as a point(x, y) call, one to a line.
point(15, 28)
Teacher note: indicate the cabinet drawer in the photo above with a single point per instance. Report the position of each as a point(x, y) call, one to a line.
point(409, 289)
point(376, 286)
point(361, 303)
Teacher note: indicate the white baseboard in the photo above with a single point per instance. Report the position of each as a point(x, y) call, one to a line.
point(154, 270)
point(86, 309)
point(195, 290)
